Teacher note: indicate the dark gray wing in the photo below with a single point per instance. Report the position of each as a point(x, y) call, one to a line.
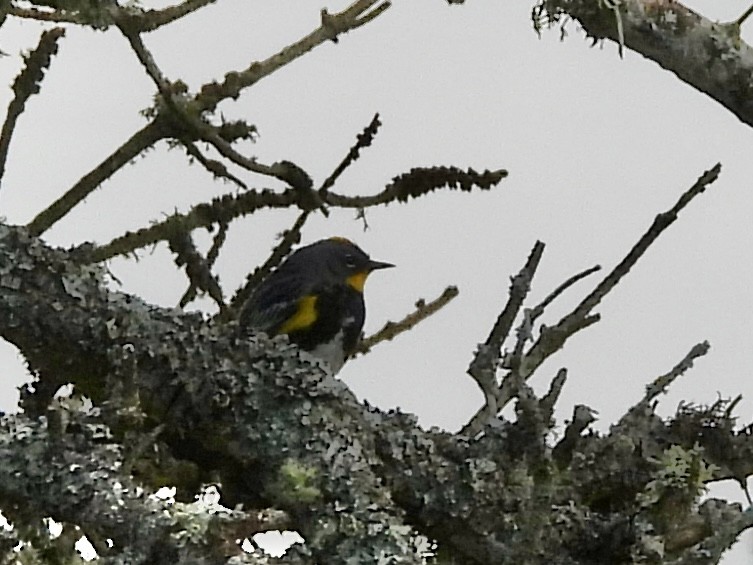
point(273, 302)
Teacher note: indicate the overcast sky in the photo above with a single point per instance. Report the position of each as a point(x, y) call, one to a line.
point(596, 147)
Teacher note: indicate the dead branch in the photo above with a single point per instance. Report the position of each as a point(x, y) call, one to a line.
point(28, 83)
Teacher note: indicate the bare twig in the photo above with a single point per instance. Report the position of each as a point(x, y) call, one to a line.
point(142, 139)
point(420, 181)
point(154, 19)
point(217, 168)
point(197, 270)
point(58, 16)
point(285, 171)
point(145, 137)
point(332, 25)
point(555, 389)
point(524, 331)
point(583, 416)
point(289, 238)
point(145, 20)
point(554, 337)
point(521, 284)
point(483, 367)
point(352, 17)
point(744, 16)
point(222, 209)
point(507, 390)
point(363, 140)
point(26, 84)
point(128, 25)
point(214, 252)
point(538, 310)
point(392, 329)
point(660, 384)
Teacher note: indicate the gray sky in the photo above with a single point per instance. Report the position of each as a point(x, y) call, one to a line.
point(596, 147)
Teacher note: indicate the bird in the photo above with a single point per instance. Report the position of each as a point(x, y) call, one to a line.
point(315, 297)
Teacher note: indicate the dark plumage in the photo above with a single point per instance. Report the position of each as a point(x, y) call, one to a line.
point(315, 297)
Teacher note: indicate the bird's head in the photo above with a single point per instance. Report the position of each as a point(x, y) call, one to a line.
point(341, 260)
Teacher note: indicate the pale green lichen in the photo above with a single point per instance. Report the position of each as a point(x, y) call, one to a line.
point(679, 471)
point(295, 484)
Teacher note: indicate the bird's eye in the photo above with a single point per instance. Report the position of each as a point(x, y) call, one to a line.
point(350, 261)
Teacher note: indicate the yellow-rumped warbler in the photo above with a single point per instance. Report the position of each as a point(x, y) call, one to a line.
point(316, 298)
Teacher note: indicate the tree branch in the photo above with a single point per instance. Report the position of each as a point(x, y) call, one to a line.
point(420, 181)
point(145, 137)
point(483, 367)
point(708, 56)
point(363, 140)
point(332, 25)
point(217, 242)
point(554, 337)
point(289, 238)
point(221, 209)
point(26, 84)
point(264, 418)
point(393, 329)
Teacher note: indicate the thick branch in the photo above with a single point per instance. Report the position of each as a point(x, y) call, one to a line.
point(709, 56)
point(81, 483)
point(277, 430)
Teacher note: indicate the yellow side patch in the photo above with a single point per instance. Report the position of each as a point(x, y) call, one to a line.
point(357, 280)
point(304, 317)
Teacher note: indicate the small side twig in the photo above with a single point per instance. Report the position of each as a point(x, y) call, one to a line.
point(217, 168)
point(538, 310)
point(354, 16)
point(363, 140)
point(128, 25)
point(289, 238)
point(197, 269)
point(525, 329)
point(221, 209)
point(393, 329)
point(286, 171)
point(483, 367)
point(744, 16)
point(555, 337)
point(555, 389)
point(212, 254)
point(27, 83)
point(418, 182)
point(662, 382)
point(58, 16)
point(151, 20)
point(583, 416)
point(658, 386)
point(145, 137)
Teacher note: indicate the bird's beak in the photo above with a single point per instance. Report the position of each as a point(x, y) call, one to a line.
point(358, 280)
point(374, 265)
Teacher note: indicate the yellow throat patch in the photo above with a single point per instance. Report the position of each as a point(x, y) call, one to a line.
point(358, 280)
